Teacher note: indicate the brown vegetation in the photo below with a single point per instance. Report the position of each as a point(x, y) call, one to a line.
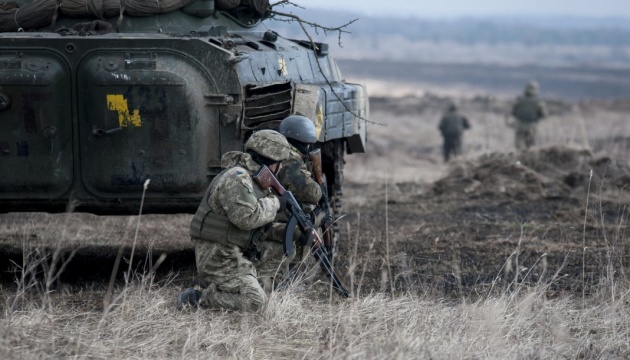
point(497, 255)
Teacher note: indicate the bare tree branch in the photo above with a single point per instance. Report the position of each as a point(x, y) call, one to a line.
point(287, 2)
point(340, 30)
point(326, 29)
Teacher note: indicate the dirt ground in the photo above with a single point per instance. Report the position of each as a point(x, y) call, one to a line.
point(494, 216)
point(487, 220)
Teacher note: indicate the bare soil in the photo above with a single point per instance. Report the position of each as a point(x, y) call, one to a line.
point(493, 221)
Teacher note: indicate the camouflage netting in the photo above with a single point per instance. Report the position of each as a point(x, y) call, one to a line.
point(41, 13)
point(536, 174)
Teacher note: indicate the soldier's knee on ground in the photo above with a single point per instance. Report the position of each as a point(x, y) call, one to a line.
point(243, 293)
point(254, 297)
point(208, 297)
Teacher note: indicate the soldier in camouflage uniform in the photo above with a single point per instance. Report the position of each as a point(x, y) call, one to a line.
point(228, 222)
point(528, 111)
point(295, 177)
point(452, 127)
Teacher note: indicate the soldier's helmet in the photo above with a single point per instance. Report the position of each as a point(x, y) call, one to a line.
point(270, 144)
point(531, 88)
point(298, 127)
point(451, 106)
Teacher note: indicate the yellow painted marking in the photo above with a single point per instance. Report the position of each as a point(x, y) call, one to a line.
point(319, 120)
point(282, 66)
point(119, 104)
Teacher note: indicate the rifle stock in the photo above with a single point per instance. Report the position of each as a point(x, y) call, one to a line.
point(316, 159)
point(265, 178)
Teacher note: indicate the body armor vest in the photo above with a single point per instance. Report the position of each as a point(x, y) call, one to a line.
point(213, 227)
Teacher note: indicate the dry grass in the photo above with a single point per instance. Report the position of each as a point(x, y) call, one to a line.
point(294, 325)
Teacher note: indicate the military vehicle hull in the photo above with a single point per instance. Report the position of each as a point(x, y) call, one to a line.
point(86, 120)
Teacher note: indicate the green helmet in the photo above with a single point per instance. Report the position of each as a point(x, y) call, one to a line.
point(298, 127)
point(270, 144)
point(531, 88)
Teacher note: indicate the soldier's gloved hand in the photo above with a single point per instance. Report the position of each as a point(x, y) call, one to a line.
point(283, 203)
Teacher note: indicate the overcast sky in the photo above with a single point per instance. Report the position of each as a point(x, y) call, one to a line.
point(457, 8)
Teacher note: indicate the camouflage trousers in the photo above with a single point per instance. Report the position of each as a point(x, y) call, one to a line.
point(452, 147)
point(524, 137)
point(232, 279)
point(272, 266)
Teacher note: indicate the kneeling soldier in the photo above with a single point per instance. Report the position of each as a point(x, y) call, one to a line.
point(228, 223)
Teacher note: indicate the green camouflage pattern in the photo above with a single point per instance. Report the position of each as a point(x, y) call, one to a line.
point(452, 126)
point(270, 144)
point(272, 265)
point(528, 111)
point(233, 278)
point(295, 177)
point(238, 197)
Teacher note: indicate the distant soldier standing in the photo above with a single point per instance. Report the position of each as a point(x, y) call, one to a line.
point(452, 127)
point(229, 223)
point(528, 111)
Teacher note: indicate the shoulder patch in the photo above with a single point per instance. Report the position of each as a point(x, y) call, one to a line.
point(240, 173)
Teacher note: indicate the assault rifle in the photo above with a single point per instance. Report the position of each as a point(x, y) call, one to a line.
point(265, 178)
point(327, 228)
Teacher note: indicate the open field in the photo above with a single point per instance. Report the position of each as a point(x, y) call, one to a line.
point(496, 255)
point(411, 77)
point(470, 217)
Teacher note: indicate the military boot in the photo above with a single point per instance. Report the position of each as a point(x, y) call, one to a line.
point(190, 296)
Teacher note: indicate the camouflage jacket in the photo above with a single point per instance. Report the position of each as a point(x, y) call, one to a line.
point(236, 195)
point(453, 124)
point(529, 109)
point(296, 178)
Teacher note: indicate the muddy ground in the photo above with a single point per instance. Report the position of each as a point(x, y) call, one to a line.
point(490, 220)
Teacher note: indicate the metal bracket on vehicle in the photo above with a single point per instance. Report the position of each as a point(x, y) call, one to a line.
point(100, 132)
point(207, 30)
point(233, 60)
point(49, 133)
point(218, 99)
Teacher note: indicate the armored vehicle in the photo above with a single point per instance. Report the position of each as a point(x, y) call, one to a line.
point(97, 97)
